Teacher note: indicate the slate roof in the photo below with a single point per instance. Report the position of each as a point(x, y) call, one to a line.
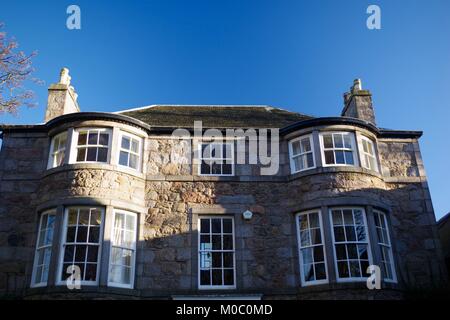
point(215, 116)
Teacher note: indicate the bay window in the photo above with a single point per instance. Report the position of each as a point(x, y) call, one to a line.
point(81, 243)
point(57, 150)
point(313, 269)
point(123, 249)
point(338, 149)
point(43, 249)
point(216, 253)
point(301, 151)
point(351, 243)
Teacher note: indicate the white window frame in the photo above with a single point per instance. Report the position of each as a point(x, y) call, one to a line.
point(133, 249)
point(364, 275)
point(364, 154)
point(299, 246)
point(53, 152)
point(74, 144)
point(43, 247)
point(61, 281)
point(138, 154)
point(292, 156)
point(216, 287)
point(200, 157)
point(388, 245)
point(353, 149)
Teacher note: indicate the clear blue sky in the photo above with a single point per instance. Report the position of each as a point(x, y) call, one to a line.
point(296, 55)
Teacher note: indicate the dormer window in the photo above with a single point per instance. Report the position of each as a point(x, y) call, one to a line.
point(338, 149)
point(92, 145)
point(57, 150)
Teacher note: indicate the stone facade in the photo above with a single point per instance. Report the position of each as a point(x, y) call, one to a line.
point(169, 198)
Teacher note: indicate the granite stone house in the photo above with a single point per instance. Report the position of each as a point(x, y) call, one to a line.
point(145, 204)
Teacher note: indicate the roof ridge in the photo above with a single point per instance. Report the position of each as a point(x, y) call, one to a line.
point(205, 105)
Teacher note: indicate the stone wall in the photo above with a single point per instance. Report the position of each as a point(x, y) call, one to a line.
point(170, 198)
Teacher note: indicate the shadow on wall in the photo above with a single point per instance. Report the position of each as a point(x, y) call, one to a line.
point(266, 252)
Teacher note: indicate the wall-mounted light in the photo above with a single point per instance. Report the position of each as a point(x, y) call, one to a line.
point(247, 215)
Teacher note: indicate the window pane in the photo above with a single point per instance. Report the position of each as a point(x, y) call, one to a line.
point(205, 277)
point(104, 137)
point(94, 234)
point(205, 168)
point(347, 141)
point(71, 234)
point(305, 239)
point(228, 277)
point(314, 220)
point(91, 154)
point(310, 160)
point(69, 253)
point(227, 169)
point(338, 142)
point(318, 254)
point(329, 157)
point(327, 141)
point(316, 237)
point(102, 155)
point(307, 255)
point(227, 226)
point(133, 161)
point(337, 218)
point(217, 277)
point(92, 254)
point(82, 138)
point(308, 272)
point(91, 272)
point(341, 252)
point(227, 242)
point(80, 253)
point(228, 260)
point(339, 234)
point(81, 154)
point(306, 146)
point(349, 157)
point(125, 143)
point(204, 225)
point(296, 147)
point(320, 271)
point(339, 157)
point(216, 225)
point(343, 269)
point(134, 146)
point(93, 137)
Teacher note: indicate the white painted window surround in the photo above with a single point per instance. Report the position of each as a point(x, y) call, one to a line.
point(57, 150)
point(301, 153)
point(122, 258)
point(43, 252)
point(312, 255)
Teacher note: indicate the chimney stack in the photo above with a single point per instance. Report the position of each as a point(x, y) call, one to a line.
point(62, 98)
point(358, 103)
